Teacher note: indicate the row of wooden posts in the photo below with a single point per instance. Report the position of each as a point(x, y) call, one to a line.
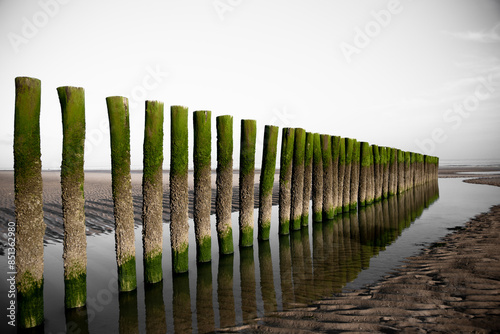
point(339, 174)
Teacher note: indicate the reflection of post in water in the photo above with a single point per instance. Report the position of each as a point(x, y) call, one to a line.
point(286, 272)
point(181, 303)
point(247, 275)
point(356, 265)
point(298, 274)
point(266, 277)
point(204, 305)
point(308, 273)
point(77, 320)
point(225, 294)
point(128, 321)
point(156, 321)
point(330, 259)
point(318, 260)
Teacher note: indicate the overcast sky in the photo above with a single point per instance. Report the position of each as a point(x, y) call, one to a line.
point(417, 75)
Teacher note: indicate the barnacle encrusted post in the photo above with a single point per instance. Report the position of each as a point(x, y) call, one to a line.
point(202, 184)
point(266, 183)
point(152, 192)
point(308, 166)
point(317, 179)
point(355, 163)
point(326, 150)
point(287, 142)
point(30, 227)
point(224, 183)
point(247, 174)
point(179, 227)
point(364, 173)
point(72, 100)
point(298, 178)
point(118, 114)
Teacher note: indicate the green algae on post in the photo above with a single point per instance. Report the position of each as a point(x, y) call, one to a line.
point(346, 199)
point(152, 192)
point(179, 227)
point(317, 180)
point(266, 183)
point(385, 171)
point(287, 143)
point(341, 173)
point(297, 179)
point(370, 191)
point(378, 176)
point(355, 164)
point(202, 184)
point(30, 227)
point(401, 171)
point(118, 114)
point(326, 151)
point(364, 173)
point(393, 170)
point(72, 100)
point(224, 183)
point(408, 178)
point(335, 175)
point(308, 166)
point(247, 174)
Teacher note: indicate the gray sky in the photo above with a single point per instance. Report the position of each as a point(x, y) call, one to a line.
point(417, 75)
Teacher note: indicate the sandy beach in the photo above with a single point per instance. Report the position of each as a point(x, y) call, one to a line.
point(99, 202)
point(451, 287)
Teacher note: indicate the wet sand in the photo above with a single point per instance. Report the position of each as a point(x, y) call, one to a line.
point(99, 202)
point(451, 287)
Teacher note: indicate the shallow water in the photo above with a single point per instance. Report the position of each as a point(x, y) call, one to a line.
point(285, 272)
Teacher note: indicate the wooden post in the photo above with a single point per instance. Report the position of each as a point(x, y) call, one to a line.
point(266, 183)
point(298, 179)
point(247, 174)
point(364, 173)
point(346, 200)
point(287, 143)
point(408, 178)
point(30, 227)
point(355, 165)
point(179, 227)
point(224, 183)
point(377, 173)
point(401, 171)
point(336, 192)
point(122, 191)
point(72, 100)
point(317, 180)
point(393, 171)
point(202, 152)
point(152, 192)
point(384, 159)
point(308, 166)
point(326, 149)
point(341, 176)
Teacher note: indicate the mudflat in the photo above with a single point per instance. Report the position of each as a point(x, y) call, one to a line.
point(451, 287)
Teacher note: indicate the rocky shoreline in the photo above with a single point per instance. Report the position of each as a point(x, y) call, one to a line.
point(452, 286)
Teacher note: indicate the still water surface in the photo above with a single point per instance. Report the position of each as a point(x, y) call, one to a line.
point(285, 272)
